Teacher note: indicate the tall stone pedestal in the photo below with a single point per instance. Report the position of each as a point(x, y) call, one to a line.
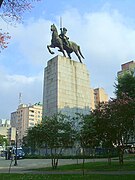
point(66, 87)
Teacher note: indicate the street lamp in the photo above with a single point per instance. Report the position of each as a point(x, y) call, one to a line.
point(16, 148)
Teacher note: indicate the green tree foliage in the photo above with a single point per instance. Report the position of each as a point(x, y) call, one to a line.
point(55, 133)
point(88, 133)
point(115, 123)
point(125, 85)
point(34, 138)
point(3, 140)
point(125, 114)
point(59, 134)
point(103, 124)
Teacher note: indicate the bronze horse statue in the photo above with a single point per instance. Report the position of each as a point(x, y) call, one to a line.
point(56, 41)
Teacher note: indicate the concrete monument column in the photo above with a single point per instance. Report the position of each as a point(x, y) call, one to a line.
point(66, 87)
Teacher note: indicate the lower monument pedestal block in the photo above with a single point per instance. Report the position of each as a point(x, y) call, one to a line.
point(66, 87)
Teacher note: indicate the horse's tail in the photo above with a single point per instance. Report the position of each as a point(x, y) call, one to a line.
point(80, 52)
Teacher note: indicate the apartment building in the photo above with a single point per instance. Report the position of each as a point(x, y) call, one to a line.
point(127, 68)
point(25, 117)
point(98, 95)
point(7, 131)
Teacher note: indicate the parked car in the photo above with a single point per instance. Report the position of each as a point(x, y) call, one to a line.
point(20, 153)
point(3, 152)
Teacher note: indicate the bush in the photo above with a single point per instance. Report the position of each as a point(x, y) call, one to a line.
point(67, 157)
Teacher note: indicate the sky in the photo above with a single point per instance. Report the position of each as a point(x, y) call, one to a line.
point(104, 29)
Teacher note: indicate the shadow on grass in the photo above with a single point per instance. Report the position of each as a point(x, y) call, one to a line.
point(93, 166)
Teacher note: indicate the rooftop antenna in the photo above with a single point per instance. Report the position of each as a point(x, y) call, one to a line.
point(20, 98)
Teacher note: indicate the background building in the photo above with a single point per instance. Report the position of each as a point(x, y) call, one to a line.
point(7, 131)
point(100, 96)
point(25, 117)
point(127, 68)
point(4, 122)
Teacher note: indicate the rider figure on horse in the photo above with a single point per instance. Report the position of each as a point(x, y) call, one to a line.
point(64, 38)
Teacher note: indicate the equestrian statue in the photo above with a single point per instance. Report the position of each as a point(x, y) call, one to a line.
point(62, 42)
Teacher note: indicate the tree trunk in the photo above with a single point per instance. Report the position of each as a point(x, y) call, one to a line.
point(121, 156)
point(54, 159)
point(46, 150)
point(93, 154)
point(83, 161)
point(54, 162)
point(109, 156)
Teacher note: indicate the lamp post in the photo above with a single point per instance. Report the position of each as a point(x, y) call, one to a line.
point(16, 148)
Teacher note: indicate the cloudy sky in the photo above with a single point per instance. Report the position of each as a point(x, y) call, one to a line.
point(104, 29)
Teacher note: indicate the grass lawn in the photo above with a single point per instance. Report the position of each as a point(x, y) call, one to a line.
point(95, 166)
point(64, 177)
point(129, 157)
point(91, 166)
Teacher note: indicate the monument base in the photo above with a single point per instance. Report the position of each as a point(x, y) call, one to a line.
point(66, 87)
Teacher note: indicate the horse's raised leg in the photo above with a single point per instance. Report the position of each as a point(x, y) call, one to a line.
point(76, 52)
point(69, 55)
point(62, 50)
point(64, 53)
point(48, 47)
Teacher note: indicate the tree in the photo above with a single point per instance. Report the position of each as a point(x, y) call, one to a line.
point(115, 122)
point(125, 85)
point(3, 140)
point(104, 127)
point(4, 37)
point(88, 134)
point(11, 12)
point(125, 92)
point(55, 132)
point(58, 135)
point(34, 138)
point(123, 116)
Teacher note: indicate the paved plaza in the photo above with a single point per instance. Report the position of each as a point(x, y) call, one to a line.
point(24, 165)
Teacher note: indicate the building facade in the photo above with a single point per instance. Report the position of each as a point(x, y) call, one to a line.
point(7, 131)
point(100, 96)
point(25, 117)
point(127, 68)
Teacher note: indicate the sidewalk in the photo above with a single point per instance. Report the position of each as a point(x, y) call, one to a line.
point(25, 166)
